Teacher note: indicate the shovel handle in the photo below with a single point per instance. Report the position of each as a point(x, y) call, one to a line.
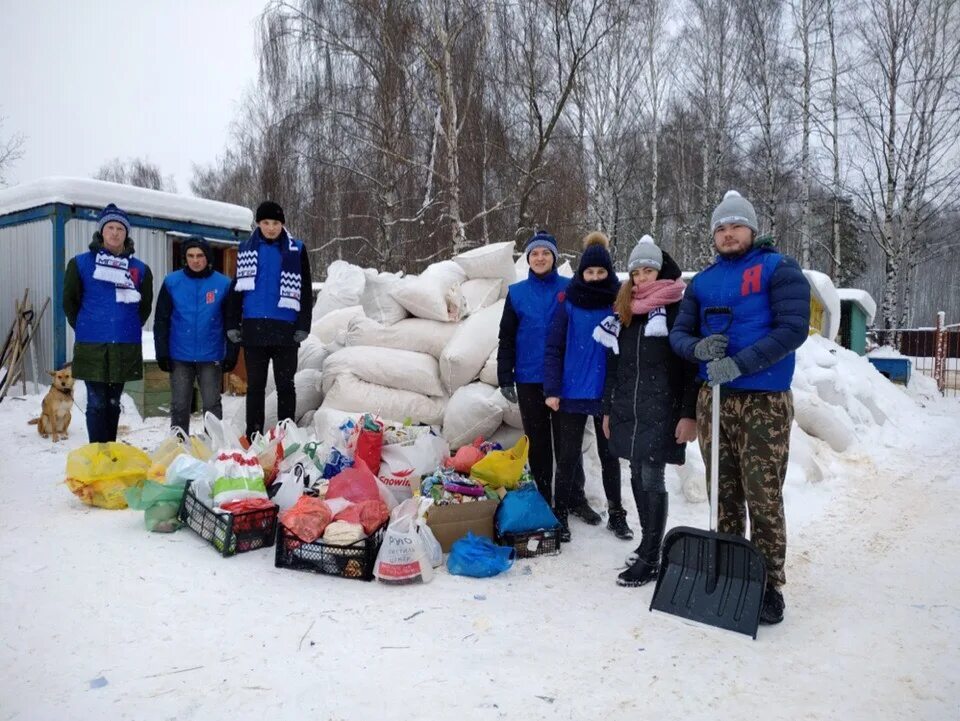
point(715, 460)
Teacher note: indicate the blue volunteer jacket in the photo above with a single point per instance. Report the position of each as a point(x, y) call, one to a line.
point(261, 302)
point(189, 321)
point(575, 365)
point(101, 319)
point(770, 300)
point(524, 325)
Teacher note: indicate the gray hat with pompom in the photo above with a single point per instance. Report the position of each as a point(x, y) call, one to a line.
point(645, 254)
point(734, 208)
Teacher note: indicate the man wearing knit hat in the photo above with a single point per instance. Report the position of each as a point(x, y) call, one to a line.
point(189, 334)
point(523, 335)
point(742, 319)
point(270, 311)
point(107, 297)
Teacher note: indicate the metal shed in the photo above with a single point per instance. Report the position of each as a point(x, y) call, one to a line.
point(43, 224)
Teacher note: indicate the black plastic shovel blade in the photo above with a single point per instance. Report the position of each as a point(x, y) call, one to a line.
point(713, 578)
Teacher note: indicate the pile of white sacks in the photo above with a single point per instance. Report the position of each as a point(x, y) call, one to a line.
point(419, 348)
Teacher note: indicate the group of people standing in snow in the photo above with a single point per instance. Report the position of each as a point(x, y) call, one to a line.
point(640, 359)
point(636, 359)
point(202, 319)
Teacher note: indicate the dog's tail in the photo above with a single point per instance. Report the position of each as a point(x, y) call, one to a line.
point(33, 421)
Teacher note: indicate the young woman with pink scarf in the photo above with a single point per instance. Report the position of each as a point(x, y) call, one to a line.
point(649, 400)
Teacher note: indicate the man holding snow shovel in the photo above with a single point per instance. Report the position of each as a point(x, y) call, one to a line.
point(766, 299)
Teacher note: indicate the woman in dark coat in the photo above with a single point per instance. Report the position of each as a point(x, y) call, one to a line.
point(649, 400)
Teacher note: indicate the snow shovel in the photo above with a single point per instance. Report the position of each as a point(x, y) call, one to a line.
point(707, 576)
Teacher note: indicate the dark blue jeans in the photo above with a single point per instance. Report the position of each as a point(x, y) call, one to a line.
point(103, 410)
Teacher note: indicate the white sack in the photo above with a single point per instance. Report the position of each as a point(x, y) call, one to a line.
point(489, 261)
point(311, 354)
point(480, 293)
point(342, 289)
point(488, 374)
point(349, 393)
point(334, 322)
point(377, 302)
point(416, 334)
point(309, 397)
point(402, 369)
point(566, 270)
point(435, 294)
point(463, 358)
point(506, 436)
point(471, 412)
point(511, 411)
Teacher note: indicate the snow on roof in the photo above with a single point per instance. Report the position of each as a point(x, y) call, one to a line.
point(140, 201)
point(822, 287)
point(861, 298)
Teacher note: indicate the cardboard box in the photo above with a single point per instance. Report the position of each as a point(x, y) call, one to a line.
point(451, 523)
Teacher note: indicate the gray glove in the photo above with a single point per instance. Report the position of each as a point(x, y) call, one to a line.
point(509, 392)
point(723, 371)
point(234, 335)
point(710, 348)
point(299, 336)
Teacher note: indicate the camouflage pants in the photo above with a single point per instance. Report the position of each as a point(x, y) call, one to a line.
point(754, 446)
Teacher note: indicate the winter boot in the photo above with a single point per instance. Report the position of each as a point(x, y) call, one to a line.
point(561, 514)
point(772, 610)
point(617, 524)
point(653, 520)
point(586, 514)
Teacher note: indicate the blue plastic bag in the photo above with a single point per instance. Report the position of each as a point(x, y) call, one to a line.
point(479, 557)
point(524, 510)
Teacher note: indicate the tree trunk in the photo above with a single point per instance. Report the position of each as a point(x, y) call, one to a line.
point(836, 250)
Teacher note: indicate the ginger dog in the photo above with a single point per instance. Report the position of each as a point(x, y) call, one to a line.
point(54, 417)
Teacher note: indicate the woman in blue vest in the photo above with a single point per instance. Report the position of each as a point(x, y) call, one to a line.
point(523, 335)
point(270, 312)
point(107, 296)
point(575, 367)
point(189, 334)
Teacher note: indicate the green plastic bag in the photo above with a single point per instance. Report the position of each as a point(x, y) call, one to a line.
point(159, 502)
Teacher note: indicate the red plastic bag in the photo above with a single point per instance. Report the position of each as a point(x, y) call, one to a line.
point(463, 460)
point(369, 514)
point(355, 484)
point(245, 516)
point(307, 519)
point(368, 443)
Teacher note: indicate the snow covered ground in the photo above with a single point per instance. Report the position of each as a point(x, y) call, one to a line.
point(100, 619)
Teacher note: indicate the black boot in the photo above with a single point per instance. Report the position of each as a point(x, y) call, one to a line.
point(586, 514)
point(772, 610)
point(561, 514)
point(653, 520)
point(617, 523)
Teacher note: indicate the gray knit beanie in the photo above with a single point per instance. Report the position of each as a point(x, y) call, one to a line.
point(645, 254)
point(734, 208)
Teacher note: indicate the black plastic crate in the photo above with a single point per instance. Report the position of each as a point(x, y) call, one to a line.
point(229, 533)
point(533, 543)
point(352, 561)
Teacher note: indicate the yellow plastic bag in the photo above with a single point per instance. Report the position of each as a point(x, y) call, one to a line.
point(502, 468)
point(99, 473)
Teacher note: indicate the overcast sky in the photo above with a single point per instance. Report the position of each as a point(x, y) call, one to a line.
point(89, 80)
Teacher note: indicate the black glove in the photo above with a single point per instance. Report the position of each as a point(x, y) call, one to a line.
point(509, 392)
point(723, 371)
point(299, 336)
point(234, 335)
point(711, 348)
point(163, 364)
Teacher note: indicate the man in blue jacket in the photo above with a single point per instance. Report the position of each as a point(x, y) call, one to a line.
point(189, 333)
point(750, 352)
point(270, 311)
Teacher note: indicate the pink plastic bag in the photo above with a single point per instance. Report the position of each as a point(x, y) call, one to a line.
point(355, 484)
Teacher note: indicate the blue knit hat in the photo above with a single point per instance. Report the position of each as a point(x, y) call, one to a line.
point(542, 239)
point(112, 214)
point(596, 254)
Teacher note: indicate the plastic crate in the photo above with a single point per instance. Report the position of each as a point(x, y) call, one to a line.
point(533, 543)
point(229, 533)
point(352, 561)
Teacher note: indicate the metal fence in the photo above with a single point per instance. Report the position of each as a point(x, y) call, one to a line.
point(934, 351)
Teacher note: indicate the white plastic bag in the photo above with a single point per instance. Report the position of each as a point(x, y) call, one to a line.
point(187, 468)
point(430, 543)
point(403, 556)
point(290, 485)
point(403, 465)
point(222, 433)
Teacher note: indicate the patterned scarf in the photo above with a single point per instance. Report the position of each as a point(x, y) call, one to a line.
point(116, 269)
point(289, 267)
point(648, 299)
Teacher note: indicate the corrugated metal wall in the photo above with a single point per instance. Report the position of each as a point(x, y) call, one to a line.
point(152, 247)
point(26, 261)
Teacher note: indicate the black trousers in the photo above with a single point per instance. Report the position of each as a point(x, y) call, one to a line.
point(567, 441)
point(258, 359)
point(537, 419)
